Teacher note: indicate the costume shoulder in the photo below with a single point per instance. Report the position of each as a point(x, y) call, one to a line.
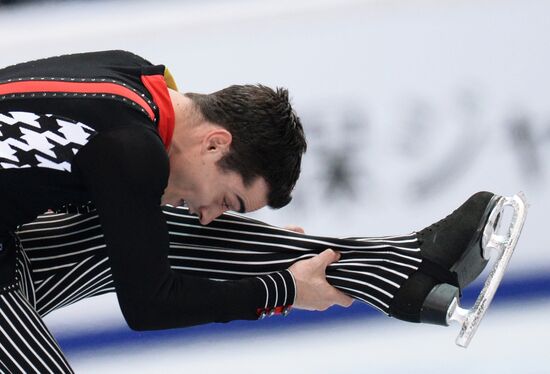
point(75, 65)
point(99, 89)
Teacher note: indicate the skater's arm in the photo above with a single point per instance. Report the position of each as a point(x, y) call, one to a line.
point(126, 179)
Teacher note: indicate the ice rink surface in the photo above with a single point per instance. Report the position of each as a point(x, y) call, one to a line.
point(512, 339)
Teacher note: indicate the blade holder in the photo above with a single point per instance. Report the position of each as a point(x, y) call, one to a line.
point(493, 244)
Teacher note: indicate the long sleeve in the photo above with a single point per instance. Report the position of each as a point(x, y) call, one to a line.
point(126, 170)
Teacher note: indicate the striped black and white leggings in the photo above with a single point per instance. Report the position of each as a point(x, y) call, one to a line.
point(62, 259)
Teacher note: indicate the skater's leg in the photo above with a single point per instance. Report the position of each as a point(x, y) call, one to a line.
point(394, 274)
point(26, 345)
point(234, 246)
point(68, 259)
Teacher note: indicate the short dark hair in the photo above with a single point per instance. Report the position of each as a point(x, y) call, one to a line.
point(268, 138)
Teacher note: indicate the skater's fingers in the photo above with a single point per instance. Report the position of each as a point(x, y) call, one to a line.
point(313, 292)
point(295, 228)
point(327, 257)
point(334, 296)
point(342, 299)
point(329, 296)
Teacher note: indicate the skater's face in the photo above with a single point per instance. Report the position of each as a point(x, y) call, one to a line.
point(198, 182)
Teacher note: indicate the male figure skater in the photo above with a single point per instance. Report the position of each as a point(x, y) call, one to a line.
point(107, 128)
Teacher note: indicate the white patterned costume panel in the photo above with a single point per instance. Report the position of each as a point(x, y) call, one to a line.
point(40, 140)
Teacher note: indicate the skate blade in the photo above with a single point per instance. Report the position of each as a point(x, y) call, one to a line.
point(493, 243)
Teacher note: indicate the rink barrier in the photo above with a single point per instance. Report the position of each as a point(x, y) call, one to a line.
point(514, 291)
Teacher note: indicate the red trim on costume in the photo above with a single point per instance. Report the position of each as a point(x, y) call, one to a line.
point(158, 89)
point(43, 86)
point(282, 309)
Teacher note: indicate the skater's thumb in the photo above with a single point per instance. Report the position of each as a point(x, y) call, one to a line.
point(328, 256)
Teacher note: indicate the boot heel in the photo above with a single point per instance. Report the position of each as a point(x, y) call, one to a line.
point(437, 304)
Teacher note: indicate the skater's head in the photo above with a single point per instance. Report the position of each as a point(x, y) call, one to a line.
point(252, 133)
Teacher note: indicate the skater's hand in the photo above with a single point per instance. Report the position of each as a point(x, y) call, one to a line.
point(295, 228)
point(313, 292)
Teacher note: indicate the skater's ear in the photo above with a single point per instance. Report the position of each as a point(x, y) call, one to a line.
point(217, 140)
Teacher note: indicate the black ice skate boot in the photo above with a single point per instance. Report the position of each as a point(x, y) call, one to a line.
point(452, 257)
point(454, 252)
